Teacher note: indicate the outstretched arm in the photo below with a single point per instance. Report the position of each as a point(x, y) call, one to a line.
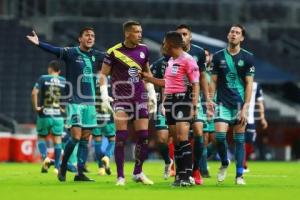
point(47, 47)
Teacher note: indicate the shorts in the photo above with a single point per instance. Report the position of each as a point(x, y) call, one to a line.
point(45, 125)
point(201, 116)
point(227, 115)
point(178, 108)
point(161, 123)
point(250, 133)
point(81, 115)
point(209, 127)
point(134, 110)
point(108, 130)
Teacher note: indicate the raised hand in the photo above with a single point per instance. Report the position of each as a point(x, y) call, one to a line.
point(33, 38)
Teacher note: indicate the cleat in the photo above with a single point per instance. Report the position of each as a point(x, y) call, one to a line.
point(61, 176)
point(187, 183)
point(141, 177)
point(167, 170)
point(120, 181)
point(192, 181)
point(176, 183)
point(105, 161)
point(83, 178)
point(197, 177)
point(222, 173)
point(46, 164)
point(240, 181)
point(101, 171)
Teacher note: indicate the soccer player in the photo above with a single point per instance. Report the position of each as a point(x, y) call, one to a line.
point(81, 62)
point(158, 70)
point(106, 127)
point(180, 104)
point(232, 80)
point(209, 128)
point(124, 62)
point(198, 54)
point(257, 99)
point(46, 96)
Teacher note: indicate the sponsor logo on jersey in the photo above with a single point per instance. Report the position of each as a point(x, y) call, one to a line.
point(223, 64)
point(134, 75)
point(79, 59)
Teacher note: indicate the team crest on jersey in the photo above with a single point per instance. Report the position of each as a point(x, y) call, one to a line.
point(241, 63)
point(252, 69)
point(142, 55)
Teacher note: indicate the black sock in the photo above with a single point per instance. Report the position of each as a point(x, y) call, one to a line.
point(178, 162)
point(187, 158)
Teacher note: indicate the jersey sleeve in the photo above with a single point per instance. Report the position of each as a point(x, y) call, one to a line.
point(215, 65)
point(259, 94)
point(192, 70)
point(250, 68)
point(65, 52)
point(38, 84)
point(109, 57)
point(155, 69)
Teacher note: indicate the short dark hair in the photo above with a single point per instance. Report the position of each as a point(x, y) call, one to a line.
point(174, 38)
point(55, 65)
point(241, 27)
point(85, 29)
point(128, 24)
point(181, 26)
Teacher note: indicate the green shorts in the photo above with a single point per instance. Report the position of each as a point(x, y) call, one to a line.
point(108, 130)
point(209, 127)
point(161, 123)
point(201, 116)
point(81, 115)
point(45, 125)
point(227, 115)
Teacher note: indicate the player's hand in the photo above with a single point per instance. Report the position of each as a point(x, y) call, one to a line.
point(33, 38)
point(38, 109)
point(243, 116)
point(152, 101)
point(105, 106)
point(264, 123)
point(210, 105)
point(145, 75)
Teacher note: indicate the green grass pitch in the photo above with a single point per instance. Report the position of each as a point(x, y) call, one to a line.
point(266, 180)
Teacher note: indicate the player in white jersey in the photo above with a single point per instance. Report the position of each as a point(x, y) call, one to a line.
point(257, 100)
